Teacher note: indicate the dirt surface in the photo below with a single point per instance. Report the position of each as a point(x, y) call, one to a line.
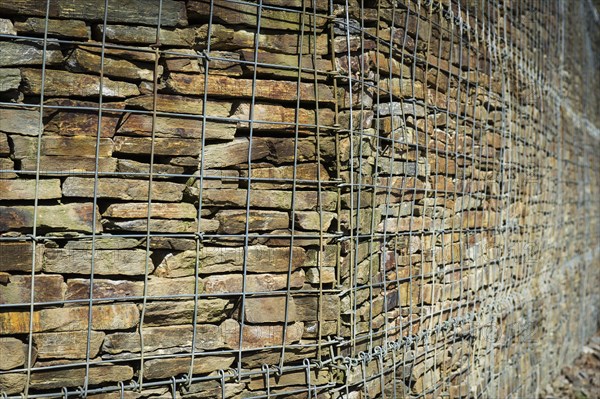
point(580, 380)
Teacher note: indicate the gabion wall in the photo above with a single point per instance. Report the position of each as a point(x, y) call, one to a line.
point(296, 198)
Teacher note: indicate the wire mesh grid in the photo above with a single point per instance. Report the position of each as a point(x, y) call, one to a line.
point(234, 199)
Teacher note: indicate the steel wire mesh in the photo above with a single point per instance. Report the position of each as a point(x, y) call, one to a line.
point(222, 198)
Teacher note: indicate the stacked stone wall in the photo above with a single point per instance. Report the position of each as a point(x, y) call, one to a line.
point(296, 198)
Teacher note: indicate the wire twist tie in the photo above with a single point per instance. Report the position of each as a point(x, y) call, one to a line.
point(206, 56)
point(32, 237)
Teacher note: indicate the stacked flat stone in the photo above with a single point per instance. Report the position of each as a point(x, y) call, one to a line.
point(387, 199)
